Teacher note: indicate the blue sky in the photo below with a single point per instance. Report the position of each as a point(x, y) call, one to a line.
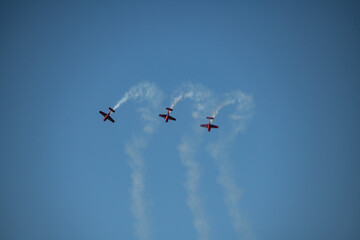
point(65, 174)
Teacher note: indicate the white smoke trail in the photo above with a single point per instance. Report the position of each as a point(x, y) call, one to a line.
point(197, 93)
point(219, 152)
point(232, 193)
point(133, 150)
point(143, 90)
point(243, 104)
point(200, 96)
point(187, 149)
point(223, 104)
point(150, 97)
point(148, 93)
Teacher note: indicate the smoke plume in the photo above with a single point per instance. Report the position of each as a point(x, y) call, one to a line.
point(142, 91)
point(196, 93)
point(133, 149)
point(242, 106)
point(149, 96)
point(199, 95)
point(241, 111)
point(187, 149)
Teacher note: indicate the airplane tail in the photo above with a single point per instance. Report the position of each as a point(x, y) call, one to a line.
point(170, 109)
point(111, 109)
point(209, 117)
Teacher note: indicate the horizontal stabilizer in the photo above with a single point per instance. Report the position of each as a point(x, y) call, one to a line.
point(170, 109)
point(209, 117)
point(111, 109)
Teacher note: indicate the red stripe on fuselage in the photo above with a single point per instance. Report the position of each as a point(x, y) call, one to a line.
point(167, 116)
point(107, 116)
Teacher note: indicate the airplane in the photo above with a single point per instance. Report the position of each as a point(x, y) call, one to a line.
point(107, 116)
point(209, 126)
point(167, 116)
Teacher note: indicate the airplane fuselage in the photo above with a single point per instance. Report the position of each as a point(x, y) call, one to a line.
point(209, 126)
point(107, 116)
point(167, 116)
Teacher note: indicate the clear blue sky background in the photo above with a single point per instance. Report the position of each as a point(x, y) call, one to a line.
point(64, 173)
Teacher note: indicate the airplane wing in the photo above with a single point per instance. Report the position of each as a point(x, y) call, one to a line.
point(162, 115)
point(213, 126)
point(204, 125)
point(109, 118)
point(171, 118)
point(102, 113)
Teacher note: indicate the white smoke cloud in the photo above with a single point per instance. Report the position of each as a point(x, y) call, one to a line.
point(200, 96)
point(223, 104)
point(202, 103)
point(149, 96)
point(133, 149)
point(242, 111)
point(197, 93)
point(187, 149)
point(142, 91)
point(242, 106)
point(243, 103)
point(232, 193)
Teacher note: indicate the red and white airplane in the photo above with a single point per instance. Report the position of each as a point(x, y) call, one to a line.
point(167, 116)
point(209, 126)
point(107, 116)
